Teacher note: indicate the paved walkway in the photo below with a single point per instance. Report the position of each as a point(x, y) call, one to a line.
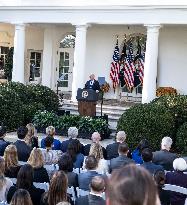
point(12, 137)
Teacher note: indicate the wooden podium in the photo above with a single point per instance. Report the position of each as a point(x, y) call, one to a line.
point(87, 100)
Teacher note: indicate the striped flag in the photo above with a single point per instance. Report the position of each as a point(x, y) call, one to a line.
point(140, 63)
point(115, 67)
point(129, 69)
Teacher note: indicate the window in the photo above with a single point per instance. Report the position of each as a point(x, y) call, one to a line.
point(3, 52)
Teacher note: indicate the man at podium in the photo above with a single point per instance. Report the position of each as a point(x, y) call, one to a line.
point(92, 84)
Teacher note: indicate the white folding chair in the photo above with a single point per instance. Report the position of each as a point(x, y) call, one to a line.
point(81, 192)
point(3, 203)
point(44, 185)
point(76, 170)
point(14, 180)
point(71, 191)
point(175, 188)
point(22, 163)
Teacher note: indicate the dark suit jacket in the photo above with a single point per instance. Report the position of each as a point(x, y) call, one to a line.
point(87, 150)
point(95, 85)
point(164, 158)
point(90, 200)
point(40, 175)
point(72, 179)
point(34, 192)
point(151, 167)
point(3, 145)
point(12, 172)
point(180, 179)
point(23, 150)
point(118, 162)
point(64, 145)
point(85, 178)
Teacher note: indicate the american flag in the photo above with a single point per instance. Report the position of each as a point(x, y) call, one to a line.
point(140, 63)
point(115, 67)
point(129, 69)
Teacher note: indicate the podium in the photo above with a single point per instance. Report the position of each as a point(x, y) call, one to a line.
point(87, 100)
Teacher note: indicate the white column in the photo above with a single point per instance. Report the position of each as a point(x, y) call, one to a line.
point(150, 66)
point(18, 57)
point(79, 60)
point(47, 57)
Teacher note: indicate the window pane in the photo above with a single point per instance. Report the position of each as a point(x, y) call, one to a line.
point(38, 56)
point(32, 55)
point(4, 50)
point(66, 77)
point(63, 84)
point(66, 69)
point(37, 63)
point(66, 56)
point(37, 72)
point(66, 63)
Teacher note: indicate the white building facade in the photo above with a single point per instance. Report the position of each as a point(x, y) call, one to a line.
point(36, 30)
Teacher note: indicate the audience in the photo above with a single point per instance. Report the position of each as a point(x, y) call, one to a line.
point(74, 150)
point(50, 131)
point(23, 149)
point(112, 149)
point(65, 164)
point(131, 185)
point(5, 183)
point(164, 195)
point(97, 188)
point(122, 159)
point(72, 134)
point(164, 157)
point(50, 156)
point(12, 166)
point(177, 178)
point(37, 162)
point(95, 139)
point(85, 178)
point(3, 143)
point(30, 139)
point(147, 157)
point(137, 153)
point(21, 197)
point(25, 181)
point(57, 190)
point(96, 151)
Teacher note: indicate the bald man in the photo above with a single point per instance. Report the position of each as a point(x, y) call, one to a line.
point(92, 83)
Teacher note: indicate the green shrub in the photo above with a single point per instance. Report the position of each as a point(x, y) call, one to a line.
point(150, 121)
point(181, 139)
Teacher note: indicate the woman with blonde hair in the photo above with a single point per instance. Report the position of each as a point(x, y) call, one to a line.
point(30, 139)
point(96, 151)
point(21, 197)
point(37, 162)
point(12, 166)
point(5, 183)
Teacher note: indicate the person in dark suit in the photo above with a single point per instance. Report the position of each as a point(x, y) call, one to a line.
point(122, 159)
point(92, 83)
point(97, 188)
point(112, 149)
point(95, 139)
point(72, 134)
point(164, 157)
point(22, 148)
point(3, 143)
point(25, 181)
point(85, 178)
point(147, 157)
point(177, 178)
point(65, 164)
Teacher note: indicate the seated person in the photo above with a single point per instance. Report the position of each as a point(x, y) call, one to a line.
point(21, 197)
point(97, 188)
point(3, 143)
point(112, 149)
point(50, 131)
point(12, 166)
point(30, 138)
point(25, 181)
point(50, 156)
point(65, 164)
point(72, 134)
point(37, 162)
point(74, 150)
point(96, 138)
point(122, 159)
point(164, 157)
point(85, 178)
point(22, 148)
point(147, 157)
point(92, 83)
point(137, 153)
point(179, 178)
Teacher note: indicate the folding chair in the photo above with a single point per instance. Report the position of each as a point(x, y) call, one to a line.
point(44, 185)
point(81, 192)
point(71, 191)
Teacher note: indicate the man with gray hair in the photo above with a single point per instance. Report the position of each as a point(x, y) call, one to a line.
point(72, 134)
point(164, 157)
point(112, 149)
